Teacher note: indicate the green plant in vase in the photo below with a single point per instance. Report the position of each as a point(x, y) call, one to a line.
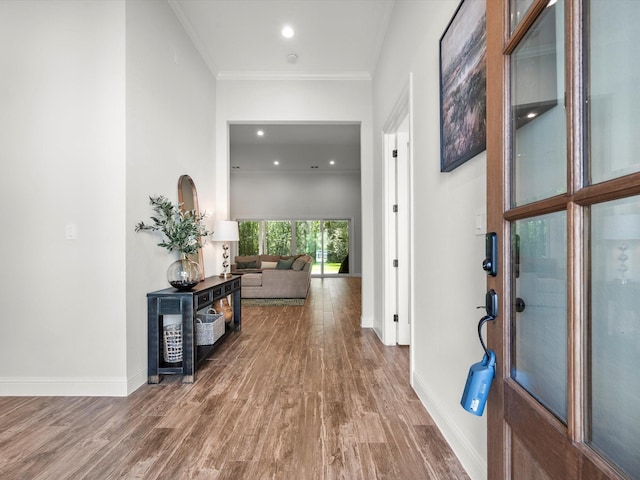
point(182, 231)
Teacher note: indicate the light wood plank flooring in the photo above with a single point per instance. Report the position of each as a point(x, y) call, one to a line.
point(300, 393)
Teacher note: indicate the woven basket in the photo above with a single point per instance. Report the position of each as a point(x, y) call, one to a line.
point(172, 335)
point(209, 327)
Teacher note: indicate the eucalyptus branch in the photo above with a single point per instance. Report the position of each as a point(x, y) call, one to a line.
point(182, 228)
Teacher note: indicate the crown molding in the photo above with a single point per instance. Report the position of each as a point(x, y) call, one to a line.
point(182, 17)
point(338, 76)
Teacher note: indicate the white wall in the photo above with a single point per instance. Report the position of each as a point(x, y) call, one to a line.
point(449, 282)
point(91, 125)
point(62, 131)
point(170, 132)
point(252, 101)
point(300, 195)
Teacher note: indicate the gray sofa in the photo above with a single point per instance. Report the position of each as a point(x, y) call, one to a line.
point(271, 276)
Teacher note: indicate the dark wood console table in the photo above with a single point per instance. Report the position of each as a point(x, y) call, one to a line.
point(173, 302)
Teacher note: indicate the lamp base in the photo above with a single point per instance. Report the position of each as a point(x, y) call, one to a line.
point(225, 275)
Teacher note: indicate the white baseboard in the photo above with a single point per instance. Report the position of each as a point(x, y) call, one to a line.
point(137, 381)
point(63, 387)
point(366, 322)
point(471, 460)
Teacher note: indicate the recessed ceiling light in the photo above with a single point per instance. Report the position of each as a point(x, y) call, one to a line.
point(532, 115)
point(287, 32)
point(292, 58)
point(276, 162)
point(260, 133)
point(332, 162)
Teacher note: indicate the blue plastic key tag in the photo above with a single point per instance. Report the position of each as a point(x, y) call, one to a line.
point(478, 383)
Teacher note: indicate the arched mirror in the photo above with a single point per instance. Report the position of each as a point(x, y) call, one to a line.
point(188, 199)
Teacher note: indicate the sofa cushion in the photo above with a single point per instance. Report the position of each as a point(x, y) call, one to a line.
point(252, 280)
point(245, 265)
point(245, 261)
point(268, 265)
point(285, 264)
point(299, 262)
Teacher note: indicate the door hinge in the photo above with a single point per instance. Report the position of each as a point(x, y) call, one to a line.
point(395, 209)
point(395, 154)
point(395, 317)
point(395, 262)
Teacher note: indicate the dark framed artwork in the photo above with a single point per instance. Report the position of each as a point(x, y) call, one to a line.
point(463, 85)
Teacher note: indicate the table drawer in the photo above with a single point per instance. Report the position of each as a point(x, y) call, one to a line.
point(204, 298)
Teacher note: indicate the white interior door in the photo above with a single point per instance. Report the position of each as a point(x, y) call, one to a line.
point(398, 242)
point(403, 335)
point(389, 334)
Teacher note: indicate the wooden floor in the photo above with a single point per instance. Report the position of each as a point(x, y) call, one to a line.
point(300, 393)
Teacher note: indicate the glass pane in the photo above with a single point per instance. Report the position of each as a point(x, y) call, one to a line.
point(539, 355)
point(249, 243)
point(308, 241)
point(613, 96)
point(538, 113)
point(336, 241)
point(278, 237)
point(517, 10)
point(306, 237)
point(614, 333)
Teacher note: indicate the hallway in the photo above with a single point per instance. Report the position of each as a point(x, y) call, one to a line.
point(300, 393)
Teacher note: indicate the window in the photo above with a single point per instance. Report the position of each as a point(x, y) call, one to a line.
point(326, 241)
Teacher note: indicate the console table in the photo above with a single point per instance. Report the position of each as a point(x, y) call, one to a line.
point(187, 303)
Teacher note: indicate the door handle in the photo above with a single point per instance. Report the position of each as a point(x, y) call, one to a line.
point(491, 303)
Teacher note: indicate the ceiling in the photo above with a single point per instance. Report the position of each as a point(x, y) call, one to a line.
point(296, 147)
point(242, 38)
point(334, 39)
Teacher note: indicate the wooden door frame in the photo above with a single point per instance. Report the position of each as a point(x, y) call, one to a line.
point(498, 445)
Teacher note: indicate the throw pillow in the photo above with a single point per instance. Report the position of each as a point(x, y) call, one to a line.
point(241, 265)
point(285, 264)
point(266, 265)
point(299, 262)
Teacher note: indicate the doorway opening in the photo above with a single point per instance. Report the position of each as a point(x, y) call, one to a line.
point(398, 271)
point(301, 184)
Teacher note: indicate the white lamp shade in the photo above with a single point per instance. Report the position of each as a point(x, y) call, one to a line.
point(225, 231)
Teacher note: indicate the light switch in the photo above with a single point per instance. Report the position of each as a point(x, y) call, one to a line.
point(71, 231)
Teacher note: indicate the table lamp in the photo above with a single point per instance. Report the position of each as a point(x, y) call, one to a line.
point(225, 231)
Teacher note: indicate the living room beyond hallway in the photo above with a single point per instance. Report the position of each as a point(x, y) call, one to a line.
point(301, 392)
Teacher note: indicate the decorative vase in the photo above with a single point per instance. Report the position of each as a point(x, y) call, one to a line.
point(183, 274)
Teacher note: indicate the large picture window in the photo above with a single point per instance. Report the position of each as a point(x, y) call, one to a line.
point(324, 240)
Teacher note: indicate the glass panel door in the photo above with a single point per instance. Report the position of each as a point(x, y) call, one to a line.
point(307, 237)
point(566, 161)
point(335, 257)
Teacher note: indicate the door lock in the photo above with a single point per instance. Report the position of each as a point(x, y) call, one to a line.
point(490, 262)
